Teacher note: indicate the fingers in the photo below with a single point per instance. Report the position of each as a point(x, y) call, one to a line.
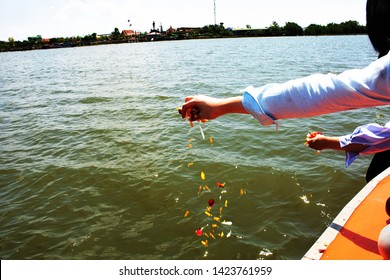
point(189, 109)
point(195, 108)
point(188, 98)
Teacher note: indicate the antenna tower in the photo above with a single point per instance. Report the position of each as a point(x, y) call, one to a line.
point(215, 14)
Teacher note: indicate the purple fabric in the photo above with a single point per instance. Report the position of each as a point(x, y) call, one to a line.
point(375, 136)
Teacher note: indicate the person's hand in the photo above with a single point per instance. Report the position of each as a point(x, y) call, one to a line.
point(200, 108)
point(203, 108)
point(320, 142)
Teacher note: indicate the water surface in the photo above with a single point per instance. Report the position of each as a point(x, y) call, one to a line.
point(94, 159)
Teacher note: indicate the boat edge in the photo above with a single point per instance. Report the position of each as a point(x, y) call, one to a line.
point(316, 251)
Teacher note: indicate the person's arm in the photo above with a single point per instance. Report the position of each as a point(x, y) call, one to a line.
point(305, 97)
point(365, 139)
point(321, 94)
point(211, 108)
point(322, 142)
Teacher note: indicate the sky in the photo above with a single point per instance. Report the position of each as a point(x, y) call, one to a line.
point(21, 19)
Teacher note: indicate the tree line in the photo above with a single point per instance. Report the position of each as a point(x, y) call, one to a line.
point(293, 29)
point(209, 31)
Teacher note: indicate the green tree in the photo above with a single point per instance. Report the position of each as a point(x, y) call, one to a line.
point(11, 41)
point(352, 27)
point(215, 30)
point(116, 35)
point(333, 29)
point(274, 29)
point(293, 29)
point(315, 29)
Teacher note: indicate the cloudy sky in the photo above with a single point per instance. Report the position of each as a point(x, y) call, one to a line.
point(64, 18)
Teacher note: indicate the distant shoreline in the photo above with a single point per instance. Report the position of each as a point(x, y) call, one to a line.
point(48, 47)
point(184, 33)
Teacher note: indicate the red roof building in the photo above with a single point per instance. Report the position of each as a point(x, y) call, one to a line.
point(129, 33)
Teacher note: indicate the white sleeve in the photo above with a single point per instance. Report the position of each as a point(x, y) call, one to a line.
point(321, 94)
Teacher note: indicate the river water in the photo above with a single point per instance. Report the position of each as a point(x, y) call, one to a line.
point(96, 163)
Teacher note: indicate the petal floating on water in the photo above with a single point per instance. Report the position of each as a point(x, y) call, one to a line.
point(220, 185)
point(242, 192)
point(217, 219)
point(211, 140)
point(211, 202)
point(208, 213)
point(205, 243)
point(226, 203)
point(190, 164)
point(226, 223)
point(199, 232)
point(186, 214)
point(202, 175)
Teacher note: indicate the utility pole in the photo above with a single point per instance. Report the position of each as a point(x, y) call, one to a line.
point(215, 14)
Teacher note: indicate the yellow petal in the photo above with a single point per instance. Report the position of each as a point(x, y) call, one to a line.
point(221, 234)
point(208, 213)
point(214, 225)
point(207, 188)
point(186, 214)
point(200, 189)
point(226, 203)
point(242, 192)
point(212, 235)
point(189, 146)
point(190, 164)
point(211, 140)
point(220, 211)
point(202, 175)
point(205, 243)
point(216, 219)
